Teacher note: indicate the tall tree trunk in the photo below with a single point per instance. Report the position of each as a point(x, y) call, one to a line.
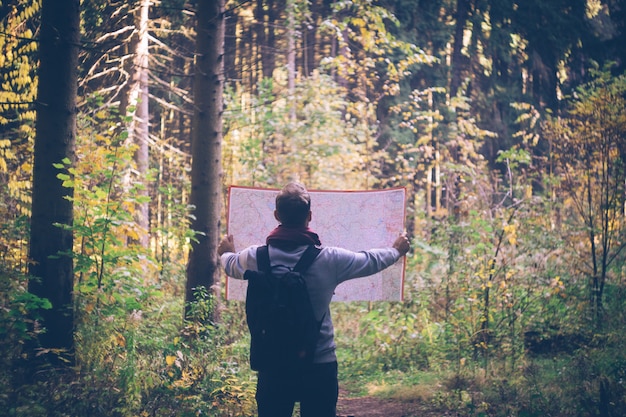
point(134, 104)
point(459, 62)
point(206, 148)
point(232, 71)
point(269, 59)
point(261, 37)
point(540, 80)
point(139, 127)
point(248, 56)
point(309, 43)
point(50, 248)
point(291, 57)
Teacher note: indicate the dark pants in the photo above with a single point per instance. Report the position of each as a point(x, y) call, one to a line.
point(316, 389)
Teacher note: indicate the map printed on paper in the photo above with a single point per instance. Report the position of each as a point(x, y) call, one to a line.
point(355, 220)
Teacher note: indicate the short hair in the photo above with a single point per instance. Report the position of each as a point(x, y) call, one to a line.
point(293, 204)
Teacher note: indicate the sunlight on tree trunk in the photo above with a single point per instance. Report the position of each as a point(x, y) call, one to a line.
point(138, 128)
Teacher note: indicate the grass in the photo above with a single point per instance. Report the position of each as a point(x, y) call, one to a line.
point(419, 386)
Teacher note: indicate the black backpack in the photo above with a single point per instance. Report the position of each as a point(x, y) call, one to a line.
point(280, 317)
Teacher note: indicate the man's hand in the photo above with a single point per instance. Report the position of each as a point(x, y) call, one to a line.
point(402, 244)
point(226, 245)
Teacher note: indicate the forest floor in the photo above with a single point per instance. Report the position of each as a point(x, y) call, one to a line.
point(372, 406)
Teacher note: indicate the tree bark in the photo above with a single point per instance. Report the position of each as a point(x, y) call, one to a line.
point(206, 148)
point(261, 38)
point(269, 58)
point(232, 69)
point(310, 41)
point(458, 60)
point(51, 265)
point(139, 127)
point(291, 58)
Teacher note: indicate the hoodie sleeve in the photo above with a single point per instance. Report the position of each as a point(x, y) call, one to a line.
point(235, 264)
point(361, 264)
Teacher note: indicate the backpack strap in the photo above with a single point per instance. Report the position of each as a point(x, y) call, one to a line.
point(303, 264)
point(307, 258)
point(263, 259)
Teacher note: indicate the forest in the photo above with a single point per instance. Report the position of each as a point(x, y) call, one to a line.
point(123, 124)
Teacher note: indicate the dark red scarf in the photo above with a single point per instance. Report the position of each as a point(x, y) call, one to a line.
point(290, 237)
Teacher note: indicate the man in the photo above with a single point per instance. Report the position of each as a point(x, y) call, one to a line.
point(316, 388)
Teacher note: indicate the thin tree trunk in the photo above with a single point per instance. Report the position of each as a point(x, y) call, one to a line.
point(248, 56)
point(310, 47)
point(139, 129)
point(261, 37)
point(291, 57)
point(135, 96)
point(206, 148)
point(231, 70)
point(269, 58)
point(458, 60)
point(50, 248)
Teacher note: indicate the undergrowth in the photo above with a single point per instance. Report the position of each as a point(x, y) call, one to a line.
point(144, 363)
point(584, 381)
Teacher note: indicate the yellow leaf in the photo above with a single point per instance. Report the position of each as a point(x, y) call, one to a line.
point(120, 340)
point(170, 359)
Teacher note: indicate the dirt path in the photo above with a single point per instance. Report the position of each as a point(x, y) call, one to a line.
point(378, 407)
